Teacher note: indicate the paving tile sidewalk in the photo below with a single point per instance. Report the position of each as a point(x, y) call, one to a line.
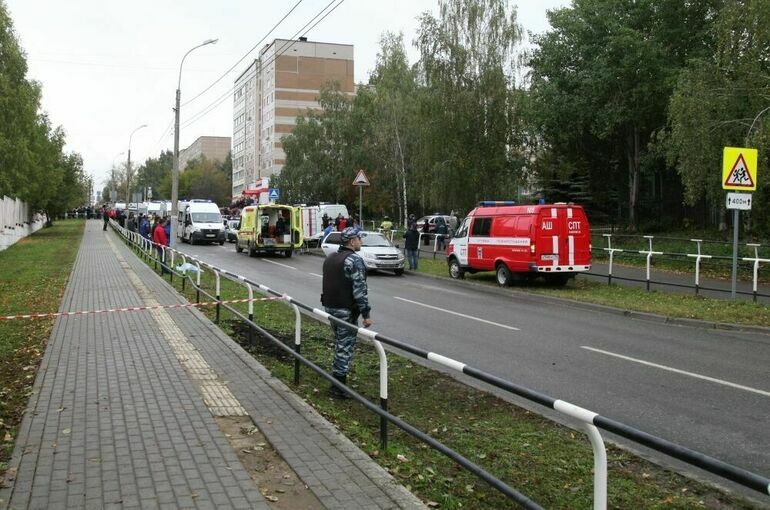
point(118, 419)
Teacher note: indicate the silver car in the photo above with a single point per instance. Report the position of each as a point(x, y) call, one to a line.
point(376, 250)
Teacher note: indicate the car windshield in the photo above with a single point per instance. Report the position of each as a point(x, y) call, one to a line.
point(373, 240)
point(206, 217)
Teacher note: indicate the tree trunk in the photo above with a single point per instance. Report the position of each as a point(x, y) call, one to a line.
point(632, 153)
point(404, 213)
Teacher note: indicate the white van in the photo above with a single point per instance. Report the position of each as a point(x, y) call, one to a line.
point(200, 221)
point(154, 207)
point(312, 219)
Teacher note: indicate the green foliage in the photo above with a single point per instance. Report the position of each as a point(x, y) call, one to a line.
point(154, 173)
point(204, 178)
point(601, 79)
point(33, 166)
point(716, 101)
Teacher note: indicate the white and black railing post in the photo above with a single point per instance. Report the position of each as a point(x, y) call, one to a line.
point(252, 340)
point(218, 294)
point(297, 336)
point(756, 260)
point(198, 282)
point(371, 335)
point(612, 255)
point(649, 254)
point(698, 256)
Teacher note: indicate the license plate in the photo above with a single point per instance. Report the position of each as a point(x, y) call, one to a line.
point(210, 235)
point(549, 257)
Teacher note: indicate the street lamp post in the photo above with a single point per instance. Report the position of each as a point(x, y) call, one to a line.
point(128, 166)
point(175, 168)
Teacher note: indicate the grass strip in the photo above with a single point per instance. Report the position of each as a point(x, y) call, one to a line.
point(34, 275)
point(548, 462)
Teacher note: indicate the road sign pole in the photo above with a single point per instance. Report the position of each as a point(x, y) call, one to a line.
point(361, 206)
point(735, 253)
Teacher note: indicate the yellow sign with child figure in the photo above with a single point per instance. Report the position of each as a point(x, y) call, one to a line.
point(739, 169)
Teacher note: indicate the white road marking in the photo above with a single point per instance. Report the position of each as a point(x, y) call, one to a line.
point(682, 372)
point(318, 275)
point(458, 314)
point(442, 290)
point(279, 264)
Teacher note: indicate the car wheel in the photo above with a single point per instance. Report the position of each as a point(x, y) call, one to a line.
point(287, 254)
point(221, 243)
point(238, 248)
point(503, 275)
point(252, 250)
point(399, 272)
point(455, 270)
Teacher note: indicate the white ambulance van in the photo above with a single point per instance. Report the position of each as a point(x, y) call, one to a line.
point(200, 222)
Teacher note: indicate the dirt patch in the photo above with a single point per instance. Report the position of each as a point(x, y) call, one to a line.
point(277, 482)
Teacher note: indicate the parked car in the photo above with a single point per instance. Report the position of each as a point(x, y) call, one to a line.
point(431, 222)
point(376, 250)
point(231, 229)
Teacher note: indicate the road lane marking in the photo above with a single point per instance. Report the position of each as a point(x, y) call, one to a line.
point(458, 314)
point(682, 372)
point(315, 274)
point(279, 264)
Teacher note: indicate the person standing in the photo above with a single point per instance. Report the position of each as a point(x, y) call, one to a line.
point(345, 296)
point(105, 216)
point(160, 239)
point(412, 246)
point(441, 231)
point(144, 227)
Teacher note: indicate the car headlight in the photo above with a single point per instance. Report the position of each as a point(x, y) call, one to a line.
point(369, 256)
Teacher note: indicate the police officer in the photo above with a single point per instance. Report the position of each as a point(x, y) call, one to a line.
point(345, 296)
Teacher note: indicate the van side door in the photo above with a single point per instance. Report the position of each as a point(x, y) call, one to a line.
point(460, 242)
point(479, 244)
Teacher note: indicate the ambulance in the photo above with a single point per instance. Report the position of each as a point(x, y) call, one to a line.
point(520, 242)
point(269, 228)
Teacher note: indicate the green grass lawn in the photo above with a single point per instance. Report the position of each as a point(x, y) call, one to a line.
point(549, 463)
point(34, 274)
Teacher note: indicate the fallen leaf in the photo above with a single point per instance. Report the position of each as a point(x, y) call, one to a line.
point(271, 498)
point(402, 458)
point(8, 437)
point(66, 431)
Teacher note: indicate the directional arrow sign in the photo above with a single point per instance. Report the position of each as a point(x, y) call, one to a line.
point(740, 201)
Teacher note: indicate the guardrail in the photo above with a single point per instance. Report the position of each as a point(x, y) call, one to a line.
point(698, 256)
point(590, 420)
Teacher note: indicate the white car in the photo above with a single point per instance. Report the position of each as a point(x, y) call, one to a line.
point(376, 250)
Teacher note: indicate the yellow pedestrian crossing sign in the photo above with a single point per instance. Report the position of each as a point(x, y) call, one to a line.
point(739, 169)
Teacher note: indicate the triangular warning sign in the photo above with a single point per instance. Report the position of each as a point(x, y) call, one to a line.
point(740, 175)
point(361, 179)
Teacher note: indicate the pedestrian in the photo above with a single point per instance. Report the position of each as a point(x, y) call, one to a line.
point(337, 222)
point(131, 223)
point(328, 230)
point(386, 226)
point(325, 220)
point(412, 246)
point(425, 230)
point(105, 216)
point(441, 231)
point(144, 226)
point(167, 228)
point(160, 239)
point(345, 296)
point(343, 224)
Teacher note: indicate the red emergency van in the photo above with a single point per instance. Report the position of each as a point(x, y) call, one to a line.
point(522, 241)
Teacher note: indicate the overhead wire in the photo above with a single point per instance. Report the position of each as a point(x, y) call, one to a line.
point(288, 44)
point(199, 94)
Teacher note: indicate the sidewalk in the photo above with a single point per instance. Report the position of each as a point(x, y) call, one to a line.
point(127, 409)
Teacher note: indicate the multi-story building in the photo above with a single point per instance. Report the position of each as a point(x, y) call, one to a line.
point(283, 83)
point(213, 148)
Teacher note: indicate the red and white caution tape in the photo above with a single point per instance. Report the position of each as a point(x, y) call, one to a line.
point(132, 309)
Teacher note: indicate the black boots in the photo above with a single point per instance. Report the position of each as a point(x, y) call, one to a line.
point(337, 393)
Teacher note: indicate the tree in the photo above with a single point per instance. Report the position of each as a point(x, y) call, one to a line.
point(204, 179)
point(600, 84)
point(716, 101)
point(467, 149)
point(153, 172)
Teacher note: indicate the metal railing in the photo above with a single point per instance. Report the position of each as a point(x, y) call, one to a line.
point(698, 257)
point(589, 420)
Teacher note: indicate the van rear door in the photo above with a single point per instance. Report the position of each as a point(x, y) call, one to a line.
point(563, 238)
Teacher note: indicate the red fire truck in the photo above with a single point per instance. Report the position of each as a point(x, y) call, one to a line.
point(522, 241)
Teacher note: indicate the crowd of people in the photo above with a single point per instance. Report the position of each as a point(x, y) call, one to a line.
point(153, 227)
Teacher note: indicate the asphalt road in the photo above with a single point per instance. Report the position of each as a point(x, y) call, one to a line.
point(705, 389)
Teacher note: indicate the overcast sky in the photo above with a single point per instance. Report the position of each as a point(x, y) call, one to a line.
point(108, 67)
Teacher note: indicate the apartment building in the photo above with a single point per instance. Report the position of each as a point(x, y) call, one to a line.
point(213, 148)
point(282, 83)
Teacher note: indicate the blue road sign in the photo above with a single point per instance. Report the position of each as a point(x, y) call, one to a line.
point(273, 194)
